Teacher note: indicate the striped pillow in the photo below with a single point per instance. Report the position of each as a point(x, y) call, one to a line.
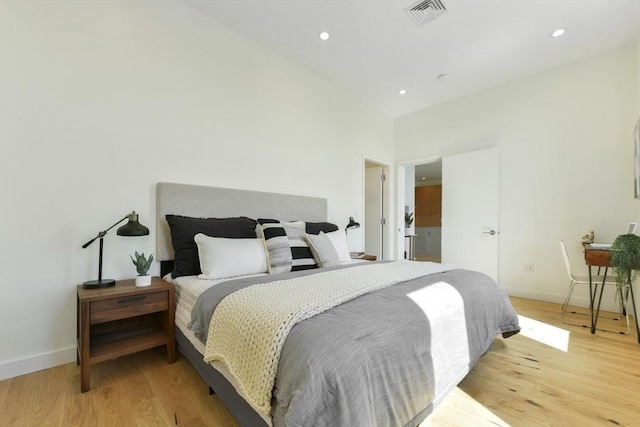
point(287, 248)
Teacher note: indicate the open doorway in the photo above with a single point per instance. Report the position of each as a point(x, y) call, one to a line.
point(428, 212)
point(469, 208)
point(422, 209)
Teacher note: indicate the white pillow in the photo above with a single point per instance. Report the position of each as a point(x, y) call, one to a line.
point(322, 249)
point(339, 240)
point(222, 258)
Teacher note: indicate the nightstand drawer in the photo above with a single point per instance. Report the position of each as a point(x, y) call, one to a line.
point(128, 306)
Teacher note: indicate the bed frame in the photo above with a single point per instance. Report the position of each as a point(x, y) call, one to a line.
point(215, 202)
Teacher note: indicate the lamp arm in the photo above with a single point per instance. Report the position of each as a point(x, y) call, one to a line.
point(103, 233)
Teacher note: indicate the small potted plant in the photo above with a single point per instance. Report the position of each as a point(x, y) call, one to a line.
point(408, 220)
point(142, 266)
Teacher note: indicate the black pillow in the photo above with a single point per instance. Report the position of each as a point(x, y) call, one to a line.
point(317, 227)
point(184, 228)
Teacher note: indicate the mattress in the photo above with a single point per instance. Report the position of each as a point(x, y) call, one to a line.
point(187, 291)
point(189, 288)
point(439, 325)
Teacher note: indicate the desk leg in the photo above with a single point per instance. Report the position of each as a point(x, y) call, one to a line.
point(591, 300)
point(595, 320)
point(633, 303)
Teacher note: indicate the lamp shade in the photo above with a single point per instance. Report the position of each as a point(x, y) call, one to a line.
point(133, 227)
point(352, 224)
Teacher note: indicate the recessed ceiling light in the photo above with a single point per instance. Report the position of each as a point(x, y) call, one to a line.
point(558, 32)
point(402, 92)
point(324, 35)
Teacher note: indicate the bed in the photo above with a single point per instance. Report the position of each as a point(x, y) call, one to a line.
point(347, 344)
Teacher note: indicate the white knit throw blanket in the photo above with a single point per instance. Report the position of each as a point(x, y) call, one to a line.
point(248, 328)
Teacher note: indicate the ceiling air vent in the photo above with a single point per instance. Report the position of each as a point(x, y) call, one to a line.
point(425, 10)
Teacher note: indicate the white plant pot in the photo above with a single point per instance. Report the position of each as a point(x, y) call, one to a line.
point(143, 280)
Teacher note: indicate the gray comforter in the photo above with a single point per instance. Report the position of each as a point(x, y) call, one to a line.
point(385, 358)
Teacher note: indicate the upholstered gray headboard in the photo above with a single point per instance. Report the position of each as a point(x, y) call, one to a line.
point(216, 202)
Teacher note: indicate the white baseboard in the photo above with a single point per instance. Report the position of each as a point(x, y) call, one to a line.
point(608, 303)
point(14, 368)
point(559, 299)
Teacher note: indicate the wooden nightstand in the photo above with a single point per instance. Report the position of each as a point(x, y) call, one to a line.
point(123, 319)
point(363, 256)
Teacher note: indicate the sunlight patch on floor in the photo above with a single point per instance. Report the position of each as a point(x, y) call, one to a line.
point(447, 414)
point(543, 332)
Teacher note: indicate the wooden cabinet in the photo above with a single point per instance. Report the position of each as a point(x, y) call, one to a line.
point(121, 320)
point(428, 202)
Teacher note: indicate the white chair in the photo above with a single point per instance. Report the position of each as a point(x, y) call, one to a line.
point(584, 280)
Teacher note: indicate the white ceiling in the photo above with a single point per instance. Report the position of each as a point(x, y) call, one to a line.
point(428, 173)
point(375, 49)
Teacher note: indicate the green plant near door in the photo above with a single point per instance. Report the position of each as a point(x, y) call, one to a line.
point(625, 257)
point(408, 219)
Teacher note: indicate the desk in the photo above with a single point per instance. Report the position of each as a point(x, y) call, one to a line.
point(599, 257)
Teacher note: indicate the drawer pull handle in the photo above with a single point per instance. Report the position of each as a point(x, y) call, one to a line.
point(133, 298)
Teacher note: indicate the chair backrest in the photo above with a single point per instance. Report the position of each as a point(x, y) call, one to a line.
point(565, 256)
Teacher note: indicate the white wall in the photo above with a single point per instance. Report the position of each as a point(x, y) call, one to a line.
point(100, 101)
point(566, 148)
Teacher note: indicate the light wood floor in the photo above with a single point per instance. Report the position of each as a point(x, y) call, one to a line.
point(429, 257)
point(519, 382)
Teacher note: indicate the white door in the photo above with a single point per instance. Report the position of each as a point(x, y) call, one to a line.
point(373, 212)
point(470, 184)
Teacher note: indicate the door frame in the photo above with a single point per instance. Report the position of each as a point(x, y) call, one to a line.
point(387, 234)
point(401, 167)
